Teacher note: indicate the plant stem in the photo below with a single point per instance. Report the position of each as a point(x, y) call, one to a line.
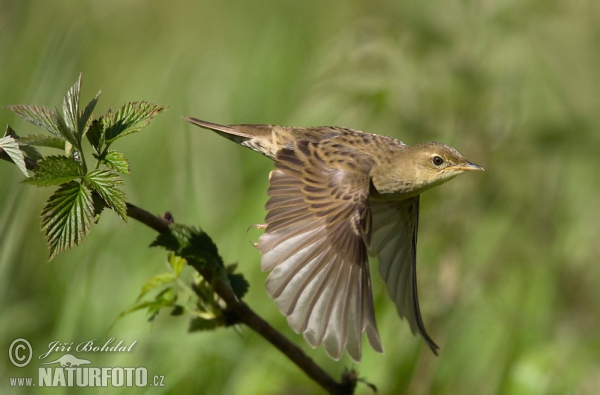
point(246, 315)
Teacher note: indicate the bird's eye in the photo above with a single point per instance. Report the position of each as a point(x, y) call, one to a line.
point(437, 160)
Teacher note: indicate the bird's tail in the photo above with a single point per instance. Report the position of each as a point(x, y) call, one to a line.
point(237, 133)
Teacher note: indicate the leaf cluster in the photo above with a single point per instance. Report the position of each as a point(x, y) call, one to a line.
point(190, 245)
point(82, 193)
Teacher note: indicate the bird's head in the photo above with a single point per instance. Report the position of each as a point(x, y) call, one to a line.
point(436, 163)
point(419, 168)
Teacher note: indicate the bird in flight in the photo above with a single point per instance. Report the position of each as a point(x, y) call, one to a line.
point(336, 197)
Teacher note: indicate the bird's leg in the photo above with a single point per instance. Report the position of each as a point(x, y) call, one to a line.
point(257, 226)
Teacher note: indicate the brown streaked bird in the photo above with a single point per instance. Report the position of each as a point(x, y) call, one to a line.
point(336, 197)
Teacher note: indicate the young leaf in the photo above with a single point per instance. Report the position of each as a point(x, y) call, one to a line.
point(55, 170)
point(156, 281)
point(138, 306)
point(105, 182)
point(176, 263)
point(71, 108)
point(38, 115)
point(130, 118)
point(11, 147)
point(42, 140)
point(165, 298)
point(67, 217)
point(117, 161)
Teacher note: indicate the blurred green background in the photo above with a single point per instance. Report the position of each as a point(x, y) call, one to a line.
point(508, 259)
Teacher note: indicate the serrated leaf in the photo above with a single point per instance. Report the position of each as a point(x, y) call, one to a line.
point(55, 170)
point(65, 130)
point(11, 147)
point(130, 118)
point(67, 217)
point(38, 115)
point(98, 206)
point(105, 182)
point(42, 140)
point(11, 133)
point(84, 119)
point(239, 284)
point(28, 150)
point(191, 243)
point(202, 324)
point(71, 107)
point(117, 161)
point(94, 135)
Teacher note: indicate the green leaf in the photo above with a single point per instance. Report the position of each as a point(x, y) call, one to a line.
point(11, 133)
point(165, 298)
point(105, 182)
point(176, 263)
point(202, 324)
point(65, 130)
point(138, 306)
point(67, 217)
point(117, 161)
point(42, 140)
point(28, 150)
point(191, 243)
point(38, 115)
point(98, 206)
point(130, 118)
point(156, 281)
point(86, 116)
point(239, 284)
point(71, 109)
point(95, 135)
point(11, 147)
point(177, 310)
point(55, 170)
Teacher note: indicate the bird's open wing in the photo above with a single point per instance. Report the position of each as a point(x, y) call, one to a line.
point(315, 244)
point(394, 241)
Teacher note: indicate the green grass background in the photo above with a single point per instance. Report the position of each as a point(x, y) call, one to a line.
point(508, 259)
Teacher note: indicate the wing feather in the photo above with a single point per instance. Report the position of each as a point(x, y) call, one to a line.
point(394, 241)
point(315, 248)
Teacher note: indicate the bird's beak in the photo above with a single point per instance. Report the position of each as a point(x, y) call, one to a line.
point(466, 166)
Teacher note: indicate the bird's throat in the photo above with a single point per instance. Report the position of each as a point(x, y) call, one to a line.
point(400, 190)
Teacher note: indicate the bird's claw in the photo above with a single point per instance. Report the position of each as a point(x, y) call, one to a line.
point(257, 226)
